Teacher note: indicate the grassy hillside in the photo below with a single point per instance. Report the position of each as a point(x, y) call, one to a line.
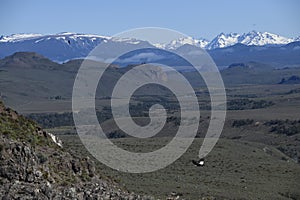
point(233, 170)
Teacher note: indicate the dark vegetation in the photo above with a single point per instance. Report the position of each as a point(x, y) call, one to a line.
point(242, 122)
point(141, 109)
point(294, 91)
point(234, 65)
point(286, 127)
point(246, 104)
point(283, 127)
point(290, 80)
point(116, 134)
point(51, 120)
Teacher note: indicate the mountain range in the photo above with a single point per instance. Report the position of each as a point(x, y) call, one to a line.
point(220, 41)
point(252, 46)
point(252, 38)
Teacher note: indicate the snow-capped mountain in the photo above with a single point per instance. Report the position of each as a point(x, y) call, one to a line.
point(19, 37)
point(265, 38)
point(223, 40)
point(174, 44)
point(65, 36)
point(252, 38)
point(65, 46)
point(296, 39)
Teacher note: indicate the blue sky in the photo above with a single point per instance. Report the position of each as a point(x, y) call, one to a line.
point(195, 18)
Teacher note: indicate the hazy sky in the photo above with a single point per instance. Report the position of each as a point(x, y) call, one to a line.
point(195, 18)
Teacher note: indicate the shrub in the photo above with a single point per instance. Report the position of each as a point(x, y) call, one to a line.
point(242, 122)
point(115, 134)
point(246, 104)
point(286, 127)
point(42, 158)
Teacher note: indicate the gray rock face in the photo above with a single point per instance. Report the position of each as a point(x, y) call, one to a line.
point(32, 166)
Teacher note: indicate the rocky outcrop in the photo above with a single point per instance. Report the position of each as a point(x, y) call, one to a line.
point(33, 166)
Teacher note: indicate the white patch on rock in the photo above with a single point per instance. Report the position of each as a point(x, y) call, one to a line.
point(55, 139)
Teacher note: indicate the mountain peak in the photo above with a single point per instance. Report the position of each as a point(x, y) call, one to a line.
point(223, 40)
point(252, 38)
point(263, 38)
point(174, 44)
point(66, 33)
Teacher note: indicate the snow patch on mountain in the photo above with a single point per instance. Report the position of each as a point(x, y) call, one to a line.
point(19, 37)
point(263, 38)
point(126, 40)
point(296, 39)
point(60, 36)
point(174, 44)
point(223, 40)
point(252, 38)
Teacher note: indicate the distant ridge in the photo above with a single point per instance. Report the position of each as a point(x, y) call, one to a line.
point(222, 40)
point(62, 47)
